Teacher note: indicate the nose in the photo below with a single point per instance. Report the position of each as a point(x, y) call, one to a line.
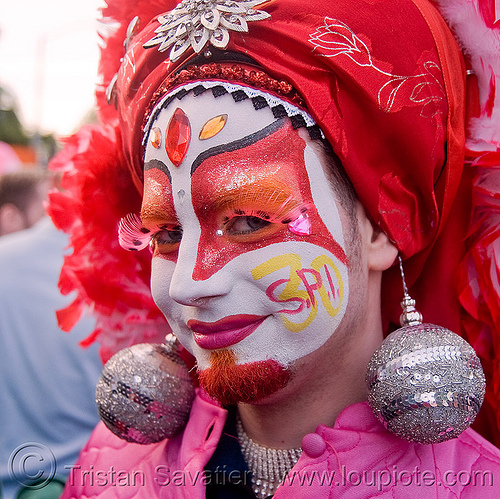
point(185, 287)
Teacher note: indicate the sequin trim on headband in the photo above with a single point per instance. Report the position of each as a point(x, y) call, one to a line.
point(259, 98)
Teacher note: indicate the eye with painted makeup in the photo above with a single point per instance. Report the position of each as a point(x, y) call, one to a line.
point(254, 226)
point(255, 212)
point(243, 224)
point(162, 238)
point(166, 240)
point(248, 225)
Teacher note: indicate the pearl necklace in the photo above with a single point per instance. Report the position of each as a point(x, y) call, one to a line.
point(267, 466)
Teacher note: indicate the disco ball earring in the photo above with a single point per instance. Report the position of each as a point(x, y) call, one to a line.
point(145, 392)
point(425, 383)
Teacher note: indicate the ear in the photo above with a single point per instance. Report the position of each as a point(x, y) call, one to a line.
point(11, 219)
point(380, 252)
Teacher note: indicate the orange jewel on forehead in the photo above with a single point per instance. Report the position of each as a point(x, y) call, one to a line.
point(213, 126)
point(177, 137)
point(156, 137)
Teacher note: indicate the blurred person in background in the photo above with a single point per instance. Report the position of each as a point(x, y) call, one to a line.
point(48, 379)
point(9, 160)
point(22, 197)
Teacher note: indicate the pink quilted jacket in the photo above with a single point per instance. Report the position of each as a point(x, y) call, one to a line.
point(357, 458)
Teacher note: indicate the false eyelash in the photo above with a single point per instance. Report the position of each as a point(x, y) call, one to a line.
point(280, 208)
point(291, 216)
point(132, 235)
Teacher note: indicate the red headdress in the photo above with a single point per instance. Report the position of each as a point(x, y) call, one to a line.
point(385, 81)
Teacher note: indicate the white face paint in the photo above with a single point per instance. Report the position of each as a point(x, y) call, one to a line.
point(261, 267)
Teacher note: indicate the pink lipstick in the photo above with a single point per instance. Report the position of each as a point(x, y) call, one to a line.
point(224, 332)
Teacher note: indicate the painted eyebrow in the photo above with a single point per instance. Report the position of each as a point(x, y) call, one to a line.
point(237, 144)
point(160, 165)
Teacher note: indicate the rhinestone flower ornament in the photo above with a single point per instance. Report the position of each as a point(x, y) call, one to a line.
point(194, 23)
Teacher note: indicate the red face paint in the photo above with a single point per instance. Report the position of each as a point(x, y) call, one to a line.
point(275, 160)
point(158, 211)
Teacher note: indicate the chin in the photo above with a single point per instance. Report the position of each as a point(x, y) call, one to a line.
point(230, 383)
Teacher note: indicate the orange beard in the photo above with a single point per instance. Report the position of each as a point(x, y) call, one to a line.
point(230, 383)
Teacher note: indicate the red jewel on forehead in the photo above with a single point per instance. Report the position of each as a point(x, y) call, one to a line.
point(177, 137)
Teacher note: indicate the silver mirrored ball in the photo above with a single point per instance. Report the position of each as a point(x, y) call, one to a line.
point(145, 393)
point(425, 383)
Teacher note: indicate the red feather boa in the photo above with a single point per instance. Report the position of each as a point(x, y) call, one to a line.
point(96, 193)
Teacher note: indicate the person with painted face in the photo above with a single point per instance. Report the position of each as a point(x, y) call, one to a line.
point(276, 158)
